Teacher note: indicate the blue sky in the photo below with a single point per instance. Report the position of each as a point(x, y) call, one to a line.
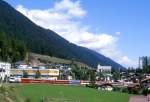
point(125, 22)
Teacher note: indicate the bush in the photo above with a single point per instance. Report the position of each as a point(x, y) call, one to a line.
point(134, 90)
point(28, 100)
point(117, 89)
point(145, 92)
point(125, 90)
point(92, 86)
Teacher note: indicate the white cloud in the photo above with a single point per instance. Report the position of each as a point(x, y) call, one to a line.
point(72, 8)
point(125, 59)
point(117, 33)
point(60, 19)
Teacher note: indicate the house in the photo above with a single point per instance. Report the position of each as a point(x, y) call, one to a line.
point(4, 70)
point(107, 87)
point(103, 69)
point(146, 83)
point(21, 65)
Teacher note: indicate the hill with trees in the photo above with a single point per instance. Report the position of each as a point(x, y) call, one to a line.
point(36, 39)
point(11, 49)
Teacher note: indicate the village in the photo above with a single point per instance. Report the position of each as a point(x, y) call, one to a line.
point(104, 78)
point(74, 51)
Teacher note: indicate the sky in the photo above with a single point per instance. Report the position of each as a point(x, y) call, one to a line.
point(118, 29)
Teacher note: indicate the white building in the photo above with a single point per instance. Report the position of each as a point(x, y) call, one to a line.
point(103, 68)
point(106, 71)
point(21, 65)
point(4, 70)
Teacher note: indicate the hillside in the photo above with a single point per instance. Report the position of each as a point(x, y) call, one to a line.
point(45, 41)
point(46, 58)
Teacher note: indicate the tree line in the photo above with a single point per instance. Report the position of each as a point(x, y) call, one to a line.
point(11, 49)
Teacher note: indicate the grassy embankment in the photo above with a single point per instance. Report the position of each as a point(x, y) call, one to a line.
point(9, 94)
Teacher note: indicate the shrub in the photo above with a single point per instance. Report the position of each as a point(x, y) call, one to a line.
point(125, 90)
point(28, 100)
point(145, 92)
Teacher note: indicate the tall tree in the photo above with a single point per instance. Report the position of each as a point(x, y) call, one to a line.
point(92, 77)
point(38, 74)
point(25, 74)
point(11, 48)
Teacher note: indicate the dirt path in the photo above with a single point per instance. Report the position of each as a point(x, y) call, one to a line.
point(138, 99)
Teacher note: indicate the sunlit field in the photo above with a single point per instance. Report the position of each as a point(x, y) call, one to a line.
point(76, 93)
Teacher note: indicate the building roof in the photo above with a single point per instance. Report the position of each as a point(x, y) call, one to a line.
point(146, 79)
point(20, 62)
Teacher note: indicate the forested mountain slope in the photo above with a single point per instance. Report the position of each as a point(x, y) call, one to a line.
point(44, 41)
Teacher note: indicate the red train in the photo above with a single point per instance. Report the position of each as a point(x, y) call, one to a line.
point(72, 82)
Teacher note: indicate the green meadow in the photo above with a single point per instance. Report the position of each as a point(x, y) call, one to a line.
point(36, 92)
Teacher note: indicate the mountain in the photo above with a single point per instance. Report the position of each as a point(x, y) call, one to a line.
point(45, 41)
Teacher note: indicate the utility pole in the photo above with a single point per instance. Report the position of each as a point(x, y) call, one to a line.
point(2, 77)
point(119, 73)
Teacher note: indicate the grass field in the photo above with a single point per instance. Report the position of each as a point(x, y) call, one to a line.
point(81, 94)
